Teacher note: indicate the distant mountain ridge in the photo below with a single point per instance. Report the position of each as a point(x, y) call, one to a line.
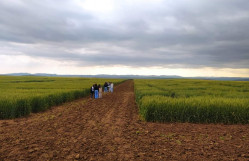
point(130, 76)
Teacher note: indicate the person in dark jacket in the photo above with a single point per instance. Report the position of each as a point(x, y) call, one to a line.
point(109, 87)
point(92, 91)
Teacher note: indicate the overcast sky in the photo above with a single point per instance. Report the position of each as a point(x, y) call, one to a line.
point(162, 37)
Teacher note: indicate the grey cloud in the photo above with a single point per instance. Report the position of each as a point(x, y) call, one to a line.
point(207, 33)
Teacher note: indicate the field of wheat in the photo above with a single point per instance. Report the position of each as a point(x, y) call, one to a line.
point(19, 96)
point(197, 101)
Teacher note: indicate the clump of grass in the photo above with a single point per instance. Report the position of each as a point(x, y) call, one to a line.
point(196, 109)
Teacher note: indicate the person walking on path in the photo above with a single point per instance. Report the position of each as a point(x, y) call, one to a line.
point(92, 91)
point(100, 91)
point(112, 87)
point(96, 91)
point(105, 87)
point(109, 87)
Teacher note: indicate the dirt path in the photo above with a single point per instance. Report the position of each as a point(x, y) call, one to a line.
point(110, 129)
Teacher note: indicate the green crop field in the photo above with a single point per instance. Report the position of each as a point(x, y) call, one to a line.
point(19, 96)
point(198, 101)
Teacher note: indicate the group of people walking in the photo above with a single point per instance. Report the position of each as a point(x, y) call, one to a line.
point(96, 90)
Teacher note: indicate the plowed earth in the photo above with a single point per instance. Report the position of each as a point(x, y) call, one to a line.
point(110, 129)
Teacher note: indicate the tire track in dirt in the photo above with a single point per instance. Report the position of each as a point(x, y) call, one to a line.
point(110, 129)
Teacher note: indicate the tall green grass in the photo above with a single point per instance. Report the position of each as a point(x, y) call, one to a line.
point(197, 101)
point(19, 96)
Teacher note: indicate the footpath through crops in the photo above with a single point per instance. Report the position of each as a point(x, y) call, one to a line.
point(198, 101)
point(19, 96)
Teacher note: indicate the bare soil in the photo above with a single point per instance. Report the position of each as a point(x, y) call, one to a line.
point(110, 129)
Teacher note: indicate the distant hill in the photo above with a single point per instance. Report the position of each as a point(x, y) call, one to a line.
point(221, 78)
point(97, 76)
point(17, 74)
point(131, 76)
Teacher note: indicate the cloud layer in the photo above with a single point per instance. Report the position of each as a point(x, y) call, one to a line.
point(167, 33)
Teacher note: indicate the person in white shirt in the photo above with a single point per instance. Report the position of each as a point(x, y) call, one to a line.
point(112, 87)
point(100, 91)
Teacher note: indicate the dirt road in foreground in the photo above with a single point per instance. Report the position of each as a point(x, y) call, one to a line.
point(110, 129)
